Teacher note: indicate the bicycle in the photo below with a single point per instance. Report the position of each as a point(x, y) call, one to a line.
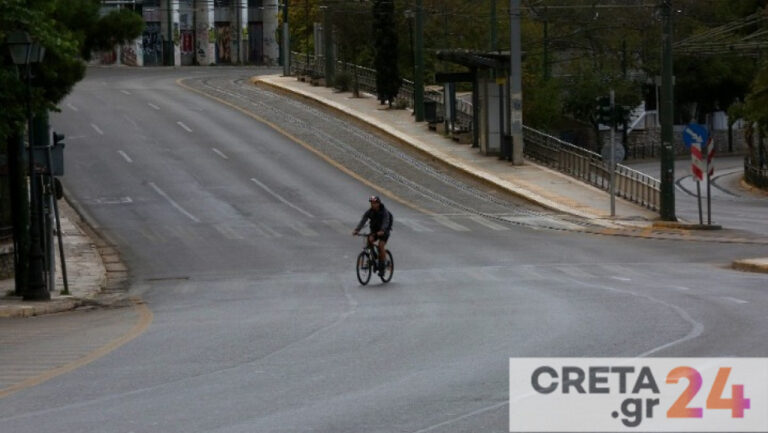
point(368, 261)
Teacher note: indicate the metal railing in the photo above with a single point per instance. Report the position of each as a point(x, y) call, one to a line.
point(589, 167)
point(366, 80)
point(565, 157)
point(755, 174)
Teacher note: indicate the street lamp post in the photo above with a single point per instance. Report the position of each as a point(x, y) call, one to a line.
point(24, 52)
point(667, 199)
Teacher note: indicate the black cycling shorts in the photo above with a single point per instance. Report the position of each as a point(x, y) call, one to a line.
point(384, 237)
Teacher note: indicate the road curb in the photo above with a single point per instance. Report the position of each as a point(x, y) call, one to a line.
point(515, 190)
point(685, 226)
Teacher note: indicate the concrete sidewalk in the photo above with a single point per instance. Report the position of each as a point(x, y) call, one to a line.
point(87, 273)
point(531, 181)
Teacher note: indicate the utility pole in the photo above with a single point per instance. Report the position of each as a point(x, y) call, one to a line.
point(308, 32)
point(168, 46)
point(328, 46)
point(667, 200)
point(515, 83)
point(418, 79)
point(286, 42)
point(545, 56)
point(494, 37)
point(195, 62)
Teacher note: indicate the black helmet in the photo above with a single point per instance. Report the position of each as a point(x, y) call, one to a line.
point(374, 199)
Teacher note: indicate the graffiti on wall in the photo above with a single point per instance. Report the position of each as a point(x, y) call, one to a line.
point(128, 56)
point(223, 43)
point(152, 45)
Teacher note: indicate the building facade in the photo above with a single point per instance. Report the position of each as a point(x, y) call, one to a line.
point(200, 32)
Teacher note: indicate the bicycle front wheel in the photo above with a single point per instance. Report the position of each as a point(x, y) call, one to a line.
point(389, 268)
point(363, 268)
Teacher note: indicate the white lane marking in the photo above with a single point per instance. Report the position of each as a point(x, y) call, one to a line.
point(220, 153)
point(450, 224)
point(97, 129)
point(151, 235)
point(459, 418)
point(685, 289)
point(622, 278)
point(125, 156)
point(485, 222)
point(414, 225)
point(185, 127)
point(736, 300)
point(480, 275)
point(228, 232)
point(528, 271)
point(697, 328)
point(153, 106)
point(338, 226)
point(574, 272)
point(303, 229)
point(72, 107)
point(125, 92)
point(173, 203)
point(281, 198)
point(263, 227)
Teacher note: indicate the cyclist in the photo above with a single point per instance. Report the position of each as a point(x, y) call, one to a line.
point(381, 225)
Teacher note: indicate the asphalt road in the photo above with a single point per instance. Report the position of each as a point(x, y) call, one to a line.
point(732, 206)
point(239, 240)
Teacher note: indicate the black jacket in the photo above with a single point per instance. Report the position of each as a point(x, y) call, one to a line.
point(380, 220)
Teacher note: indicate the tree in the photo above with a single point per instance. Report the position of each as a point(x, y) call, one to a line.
point(69, 30)
point(385, 45)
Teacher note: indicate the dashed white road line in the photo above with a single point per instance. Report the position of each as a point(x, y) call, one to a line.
point(125, 92)
point(97, 129)
point(338, 226)
point(485, 222)
point(450, 224)
point(736, 300)
point(183, 126)
point(153, 106)
point(281, 198)
point(220, 153)
point(125, 156)
point(622, 278)
point(173, 203)
point(303, 229)
point(72, 107)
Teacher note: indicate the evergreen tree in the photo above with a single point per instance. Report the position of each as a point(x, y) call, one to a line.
point(385, 45)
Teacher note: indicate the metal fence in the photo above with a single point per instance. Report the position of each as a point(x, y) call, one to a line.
point(755, 174)
point(555, 153)
point(366, 80)
point(589, 167)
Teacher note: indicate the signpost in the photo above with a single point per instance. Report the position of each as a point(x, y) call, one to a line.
point(696, 137)
point(612, 153)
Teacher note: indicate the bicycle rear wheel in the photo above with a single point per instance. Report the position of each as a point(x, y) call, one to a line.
point(363, 268)
point(389, 268)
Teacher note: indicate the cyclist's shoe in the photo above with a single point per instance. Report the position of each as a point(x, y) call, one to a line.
point(382, 268)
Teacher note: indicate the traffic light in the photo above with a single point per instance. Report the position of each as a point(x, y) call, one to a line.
point(603, 111)
point(622, 114)
point(57, 154)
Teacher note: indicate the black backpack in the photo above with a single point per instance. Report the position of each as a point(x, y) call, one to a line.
point(391, 221)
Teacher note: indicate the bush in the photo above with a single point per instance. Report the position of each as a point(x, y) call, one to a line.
point(342, 81)
point(400, 103)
